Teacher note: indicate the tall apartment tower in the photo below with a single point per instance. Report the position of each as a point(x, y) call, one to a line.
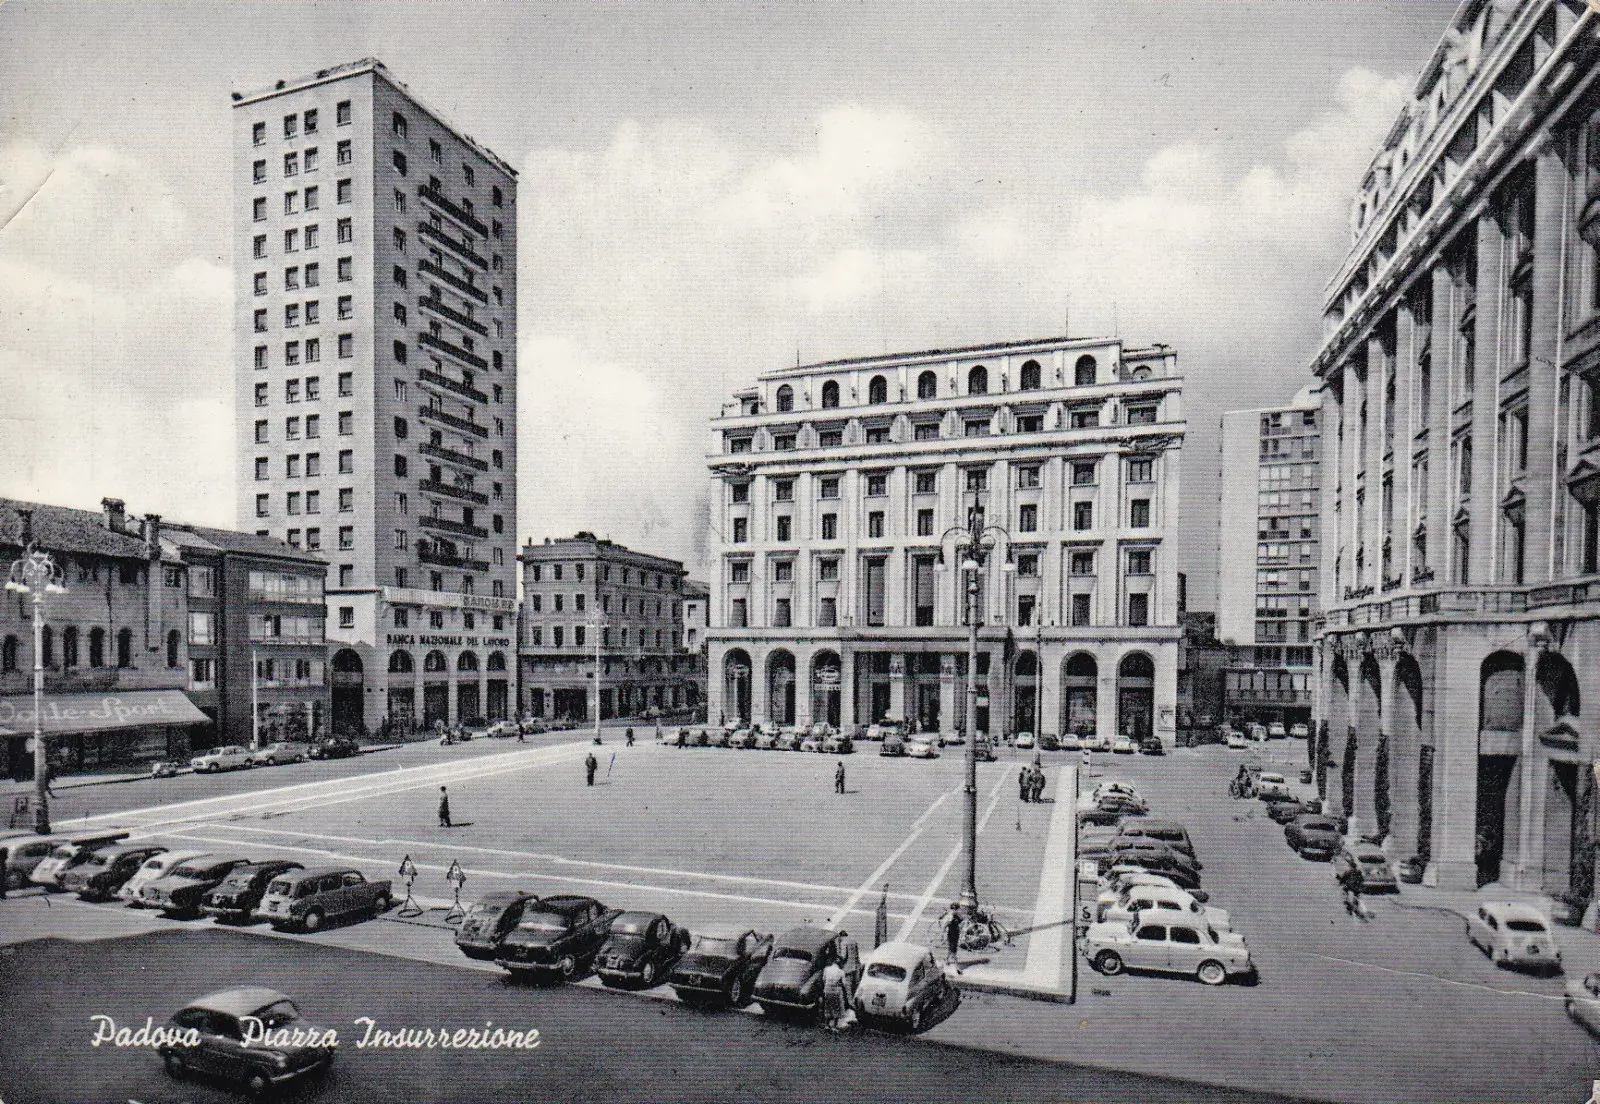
point(377, 381)
point(837, 592)
point(1268, 560)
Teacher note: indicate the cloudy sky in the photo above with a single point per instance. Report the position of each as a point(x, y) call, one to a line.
point(708, 190)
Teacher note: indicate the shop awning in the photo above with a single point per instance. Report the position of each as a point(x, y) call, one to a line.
point(67, 713)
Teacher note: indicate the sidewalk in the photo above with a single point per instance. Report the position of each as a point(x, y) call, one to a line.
point(1580, 948)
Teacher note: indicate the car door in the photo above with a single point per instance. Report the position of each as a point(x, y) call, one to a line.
point(1185, 948)
point(1149, 948)
point(196, 1057)
point(224, 1042)
point(354, 893)
point(509, 919)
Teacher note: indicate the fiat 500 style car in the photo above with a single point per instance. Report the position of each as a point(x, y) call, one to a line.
point(920, 747)
point(1514, 934)
point(180, 891)
point(1270, 784)
point(720, 967)
point(231, 757)
point(559, 937)
point(902, 985)
point(893, 744)
point(791, 981)
point(278, 753)
point(838, 743)
point(99, 876)
point(253, 1036)
point(1154, 857)
point(237, 896)
point(1172, 903)
point(307, 899)
point(155, 867)
point(1167, 946)
point(1377, 876)
point(489, 920)
point(642, 948)
point(66, 854)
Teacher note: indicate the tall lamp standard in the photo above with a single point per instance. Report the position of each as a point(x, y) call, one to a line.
point(35, 573)
point(975, 540)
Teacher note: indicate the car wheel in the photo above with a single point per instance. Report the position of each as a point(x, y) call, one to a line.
point(258, 1084)
point(1108, 963)
point(312, 921)
point(567, 968)
point(914, 1020)
point(176, 1068)
point(647, 975)
point(380, 905)
point(1502, 959)
point(1211, 973)
point(736, 998)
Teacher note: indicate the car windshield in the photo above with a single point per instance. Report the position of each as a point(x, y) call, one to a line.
point(543, 921)
point(486, 908)
point(97, 859)
point(280, 886)
point(626, 939)
point(1372, 860)
point(887, 972)
point(1318, 825)
point(238, 879)
point(715, 945)
point(64, 851)
point(795, 953)
point(187, 871)
point(277, 1013)
point(1524, 925)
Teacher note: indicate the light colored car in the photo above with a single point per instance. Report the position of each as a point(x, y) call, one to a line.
point(1117, 786)
point(813, 742)
point(922, 747)
point(902, 984)
point(1024, 740)
point(1276, 731)
point(49, 858)
point(954, 738)
point(1100, 741)
point(1583, 1001)
point(1513, 934)
point(1270, 784)
point(766, 740)
point(1119, 879)
point(504, 728)
point(788, 740)
point(1258, 733)
point(1299, 731)
point(838, 743)
point(229, 757)
point(1156, 902)
point(157, 866)
point(1070, 742)
point(884, 728)
point(1176, 946)
point(1235, 739)
point(742, 738)
point(1124, 745)
point(1377, 876)
point(276, 754)
point(820, 729)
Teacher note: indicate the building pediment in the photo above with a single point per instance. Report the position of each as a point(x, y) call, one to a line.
point(1514, 506)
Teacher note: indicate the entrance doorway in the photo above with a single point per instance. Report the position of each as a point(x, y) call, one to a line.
point(348, 712)
point(1494, 784)
point(435, 703)
point(467, 701)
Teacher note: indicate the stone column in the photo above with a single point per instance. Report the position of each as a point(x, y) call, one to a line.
point(1105, 695)
point(804, 689)
point(1385, 739)
point(1455, 766)
point(1486, 490)
point(1405, 750)
point(1552, 181)
point(897, 686)
point(759, 677)
point(1372, 463)
point(848, 713)
point(949, 691)
point(1405, 443)
point(1440, 505)
point(1522, 861)
point(1369, 724)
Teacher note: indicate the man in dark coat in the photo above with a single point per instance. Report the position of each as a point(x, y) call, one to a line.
point(5, 857)
point(1025, 783)
point(838, 778)
point(444, 808)
point(590, 765)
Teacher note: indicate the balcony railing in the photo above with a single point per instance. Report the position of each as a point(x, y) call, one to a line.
point(431, 486)
point(466, 288)
point(429, 555)
point(439, 452)
point(464, 424)
point(455, 211)
point(455, 387)
point(437, 306)
point(445, 525)
point(445, 347)
point(461, 249)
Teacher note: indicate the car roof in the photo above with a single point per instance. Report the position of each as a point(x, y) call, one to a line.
point(317, 871)
point(1146, 824)
point(173, 858)
point(212, 859)
point(566, 903)
point(238, 1002)
point(1272, 776)
point(899, 954)
point(725, 932)
point(117, 850)
point(506, 897)
point(807, 938)
point(1515, 910)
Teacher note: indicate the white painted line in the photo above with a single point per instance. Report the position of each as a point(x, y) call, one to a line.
point(908, 929)
point(883, 868)
point(1043, 964)
point(1431, 977)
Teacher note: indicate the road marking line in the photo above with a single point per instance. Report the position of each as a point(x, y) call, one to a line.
point(910, 926)
point(1434, 977)
point(1043, 964)
point(883, 868)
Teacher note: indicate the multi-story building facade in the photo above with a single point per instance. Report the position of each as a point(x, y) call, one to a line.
point(1461, 376)
point(1268, 559)
point(376, 383)
point(588, 602)
point(837, 487)
point(696, 619)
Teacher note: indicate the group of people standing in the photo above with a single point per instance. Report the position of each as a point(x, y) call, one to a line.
point(1030, 782)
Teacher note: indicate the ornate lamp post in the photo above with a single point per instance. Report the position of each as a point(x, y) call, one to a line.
point(35, 573)
point(975, 540)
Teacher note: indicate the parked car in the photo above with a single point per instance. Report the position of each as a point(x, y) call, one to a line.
point(1119, 879)
point(489, 920)
point(155, 867)
point(559, 937)
point(1110, 809)
point(791, 981)
point(720, 967)
point(903, 985)
point(699, 737)
point(766, 740)
point(308, 899)
point(1514, 934)
point(1299, 731)
point(1152, 745)
point(1049, 741)
point(1234, 739)
point(954, 737)
point(1163, 900)
point(475, 728)
point(218, 1021)
point(1071, 742)
point(1168, 946)
point(1257, 733)
point(894, 744)
point(742, 738)
point(812, 743)
point(276, 754)
point(643, 948)
point(1276, 731)
point(1284, 810)
point(337, 747)
point(721, 737)
point(883, 729)
point(920, 747)
point(1024, 741)
point(1377, 876)
point(237, 895)
point(1096, 741)
point(983, 751)
point(1123, 745)
point(788, 740)
point(66, 854)
point(1314, 836)
point(1270, 784)
point(230, 757)
point(1126, 841)
point(105, 871)
point(838, 743)
point(1119, 787)
point(532, 726)
point(1152, 856)
point(181, 890)
point(1583, 1002)
point(504, 728)
point(1168, 832)
point(165, 768)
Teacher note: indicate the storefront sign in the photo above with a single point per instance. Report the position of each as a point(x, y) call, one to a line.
point(62, 713)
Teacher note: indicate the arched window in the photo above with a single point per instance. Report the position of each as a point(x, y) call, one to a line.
point(830, 395)
point(47, 646)
point(124, 648)
point(8, 655)
point(467, 661)
point(1140, 373)
point(400, 662)
point(978, 381)
point(174, 642)
point(785, 398)
point(927, 385)
point(1029, 380)
point(497, 661)
point(97, 647)
point(435, 661)
point(878, 390)
point(1083, 371)
point(69, 647)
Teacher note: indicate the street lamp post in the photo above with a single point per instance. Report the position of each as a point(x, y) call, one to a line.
point(35, 573)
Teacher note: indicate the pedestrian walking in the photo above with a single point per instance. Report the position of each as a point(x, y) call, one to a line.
point(630, 737)
point(951, 922)
point(590, 765)
point(1025, 782)
point(1036, 784)
point(444, 808)
point(49, 778)
point(838, 778)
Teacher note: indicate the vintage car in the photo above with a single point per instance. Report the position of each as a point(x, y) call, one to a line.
point(920, 747)
point(791, 981)
point(1049, 741)
point(1097, 741)
point(532, 726)
point(1582, 1001)
point(166, 768)
point(821, 728)
point(559, 937)
point(1299, 731)
point(699, 737)
point(983, 751)
point(954, 738)
point(903, 985)
point(1234, 739)
point(721, 737)
point(883, 729)
point(812, 743)
point(1314, 836)
point(475, 728)
point(1256, 733)
point(894, 744)
point(1119, 879)
point(338, 747)
point(1123, 745)
point(743, 737)
point(643, 948)
point(789, 740)
point(1173, 835)
point(1178, 946)
point(308, 899)
point(1152, 745)
point(1270, 785)
point(1163, 900)
point(1276, 731)
point(228, 757)
point(181, 890)
point(1286, 809)
point(1153, 856)
point(1070, 741)
point(237, 895)
point(154, 868)
point(720, 967)
point(66, 854)
point(1023, 741)
point(250, 1035)
point(501, 729)
point(1368, 859)
point(105, 871)
point(488, 921)
point(838, 743)
point(766, 739)
point(1514, 934)
point(276, 754)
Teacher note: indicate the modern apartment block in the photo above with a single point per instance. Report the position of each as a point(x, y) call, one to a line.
point(1268, 560)
point(1461, 378)
point(588, 601)
point(836, 592)
point(376, 383)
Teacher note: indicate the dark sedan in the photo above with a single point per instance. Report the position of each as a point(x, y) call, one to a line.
point(181, 891)
point(1285, 810)
point(1152, 745)
point(489, 921)
point(559, 937)
point(99, 876)
point(336, 748)
point(1156, 858)
point(241, 891)
point(1111, 808)
point(721, 968)
point(1314, 836)
point(252, 1035)
point(642, 948)
point(791, 981)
